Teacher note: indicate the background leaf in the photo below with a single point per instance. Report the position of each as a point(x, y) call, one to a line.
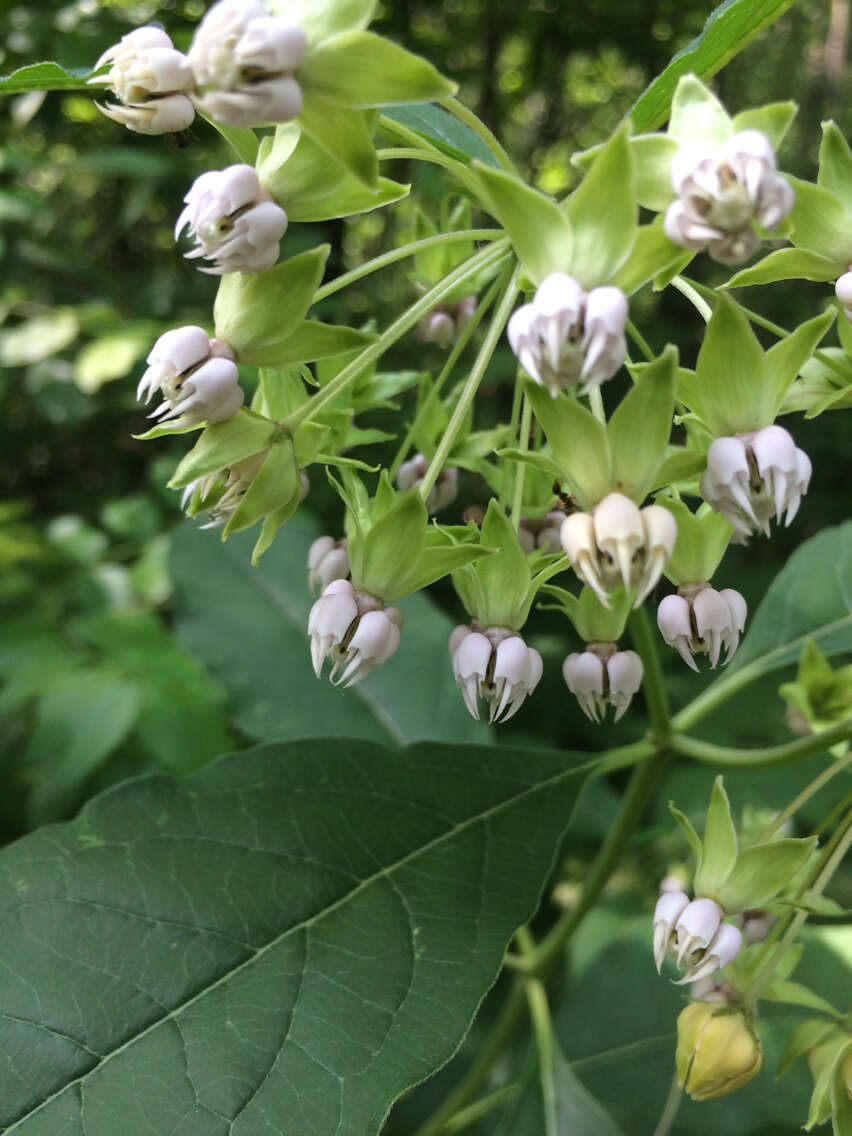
point(284, 941)
point(446, 132)
point(47, 76)
point(249, 625)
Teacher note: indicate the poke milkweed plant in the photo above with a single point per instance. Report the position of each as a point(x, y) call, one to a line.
point(290, 939)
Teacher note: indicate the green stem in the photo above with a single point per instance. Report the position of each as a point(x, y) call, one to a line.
point(692, 295)
point(596, 405)
point(483, 358)
point(543, 1029)
point(400, 254)
point(465, 1117)
point(732, 758)
point(653, 682)
point(433, 395)
point(523, 445)
point(424, 148)
point(514, 424)
point(461, 112)
point(399, 153)
point(806, 794)
point(640, 341)
point(471, 267)
point(670, 1109)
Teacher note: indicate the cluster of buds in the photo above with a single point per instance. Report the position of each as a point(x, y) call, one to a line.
point(751, 476)
point(619, 544)
point(542, 533)
point(355, 630)
point(235, 480)
point(328, 560)
point(151, 80)
point(495, 664)
point(603, 676)
point(196, 376)
point(722, 191)
point(570, 338)
point(445, 322)
point(700, 620)
point(692, 932)
point(234, 221)
point(443, 492)
point(244, 61)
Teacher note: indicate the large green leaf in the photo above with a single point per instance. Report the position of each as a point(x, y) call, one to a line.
point(249, 625)
point(729, 28)
point(283, 942)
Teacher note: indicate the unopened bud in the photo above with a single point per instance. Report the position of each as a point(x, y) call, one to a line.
point(718, 1051)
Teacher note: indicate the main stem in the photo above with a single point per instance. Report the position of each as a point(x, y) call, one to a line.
point(653, 682)
point(764, 756)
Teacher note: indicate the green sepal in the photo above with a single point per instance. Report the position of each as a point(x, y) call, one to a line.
point(653, 254)
point(821, 387)
point(821, 693)
point(256, 314)
point(730, 392)
point(321, 19)
point(439, 561)
point(825, 1061)
point(345, 134)
point(166, 428)
point(361, 70)
point(602, 214)
point(579, 442)
point(835, 165)
point(786, 264)
point(719, 848)
point(674, 268)
point(393, 544)
point(309, 441)
point(702, 539)
point(637, 454)
point(697, 116)
point(688, 829)
point(275, 486)
point(592, 621)
point(539, 230)
point(313, 340)
point(502, 580)
point(223, 444)
point(841, 1101)
point(535, 459)
point(821, 223)
point(785, 359)
point(795, 994)
point(806, 1036)
point(761, 872)
point(773, 120)
point(279, 392)
point(652, 156)
point(311, 186)
point(680, 466)
point(272, 522)
point(241, 139)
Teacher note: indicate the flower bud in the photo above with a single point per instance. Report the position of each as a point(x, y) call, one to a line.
point(244, 59)
point(718, 1051)
point(442, 493)
point(234, 221)
point(354, 629)
point(494, 664)
point(566, 337)
point(603, 676)
point(751, 476)
point(151, 81)
point(721, 191)
point(700, 620)
point(327, 561)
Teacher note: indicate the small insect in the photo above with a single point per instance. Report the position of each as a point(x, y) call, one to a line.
point(566, 502)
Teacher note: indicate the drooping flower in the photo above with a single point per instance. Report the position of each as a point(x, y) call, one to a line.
point(752, 476)
point(328, 560)
point(693, 933)
point(151, 80)
point(566, 337)
point(234, 221)
point(244, 62)
point(619, 544)
point(196, 376)
point(495, 664)
point(603, 676)
point(722, 191)
point(233, 481)
point(355, 630)
point(443, 492)
point(700, 620)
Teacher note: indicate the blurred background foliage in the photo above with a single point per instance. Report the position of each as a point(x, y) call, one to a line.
point(91, 276)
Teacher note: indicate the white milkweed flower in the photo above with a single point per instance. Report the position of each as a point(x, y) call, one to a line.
point(244, 61)
point(328, 560)
point(721, 191)
point(619, 544)
point(355, 630)
point(495, 664)
point(196, 376)
point(234, 221)
point(843, 291)
point(566, 337)
point(151, 80)
point(235, 481)
point(603, 676)
point(693, 933)
point(700, 620)
point(443, 492)
point(752, 476)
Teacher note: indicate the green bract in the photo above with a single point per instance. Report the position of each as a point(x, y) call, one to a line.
point(702, 538)
point(593, 622)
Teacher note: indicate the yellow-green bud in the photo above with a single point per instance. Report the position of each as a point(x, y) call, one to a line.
point(717, 1051)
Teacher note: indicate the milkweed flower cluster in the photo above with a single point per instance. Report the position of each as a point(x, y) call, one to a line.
point(151, 80)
